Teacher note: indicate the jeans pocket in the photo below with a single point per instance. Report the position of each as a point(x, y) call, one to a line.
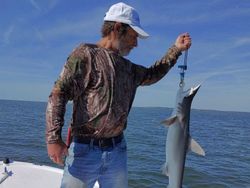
point(79, 149)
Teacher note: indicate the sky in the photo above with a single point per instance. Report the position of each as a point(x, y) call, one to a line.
point(36, 37)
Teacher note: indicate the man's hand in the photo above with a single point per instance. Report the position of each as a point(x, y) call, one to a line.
point(57, 152)
point(183, 42)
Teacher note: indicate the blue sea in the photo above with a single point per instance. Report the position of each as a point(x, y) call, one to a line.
point(225, 137)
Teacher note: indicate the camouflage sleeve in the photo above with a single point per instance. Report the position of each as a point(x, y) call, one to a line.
point(67, 87)
point(148, 76)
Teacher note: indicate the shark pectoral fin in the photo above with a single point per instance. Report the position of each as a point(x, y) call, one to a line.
point(169, 121)
point(164, 169)
point(195, 147)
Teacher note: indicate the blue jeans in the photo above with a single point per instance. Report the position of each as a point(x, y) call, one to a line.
point(87, 164)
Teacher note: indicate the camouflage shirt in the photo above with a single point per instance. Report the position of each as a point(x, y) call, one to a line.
point(102, 86)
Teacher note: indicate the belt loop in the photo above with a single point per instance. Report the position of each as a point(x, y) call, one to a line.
point(100, 143)
point(113, 142)
point(91, 144)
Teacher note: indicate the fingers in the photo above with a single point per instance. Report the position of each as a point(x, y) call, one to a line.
point(184, 41)
point(58, 155)
point(58, 159)
point(185, 35)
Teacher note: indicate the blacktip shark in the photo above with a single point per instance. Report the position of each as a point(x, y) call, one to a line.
point(179, 141)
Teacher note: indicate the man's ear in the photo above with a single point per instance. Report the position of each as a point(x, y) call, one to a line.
point(117, 28)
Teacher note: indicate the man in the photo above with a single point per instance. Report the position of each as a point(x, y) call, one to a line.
point(102, 85)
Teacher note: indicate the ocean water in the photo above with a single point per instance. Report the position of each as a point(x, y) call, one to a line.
point(225, 137)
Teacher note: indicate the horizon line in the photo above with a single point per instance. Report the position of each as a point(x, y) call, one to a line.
point(21, 100)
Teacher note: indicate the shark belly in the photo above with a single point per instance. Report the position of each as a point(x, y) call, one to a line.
point(176, 153)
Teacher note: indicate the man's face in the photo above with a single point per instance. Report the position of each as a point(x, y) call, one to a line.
point(127, 42)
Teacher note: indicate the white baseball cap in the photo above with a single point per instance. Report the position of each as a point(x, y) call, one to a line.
point(124, 13)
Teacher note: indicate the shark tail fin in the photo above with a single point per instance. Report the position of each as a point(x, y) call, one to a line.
point(170, 120)
point(195, 147)
point(164, 169)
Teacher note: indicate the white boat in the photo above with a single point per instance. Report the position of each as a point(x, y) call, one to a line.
point(15, 174)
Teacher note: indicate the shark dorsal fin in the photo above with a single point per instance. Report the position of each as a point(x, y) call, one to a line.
point(195, 147)
point(170, 120)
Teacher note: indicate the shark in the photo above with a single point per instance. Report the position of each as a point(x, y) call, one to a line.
point(179, 141)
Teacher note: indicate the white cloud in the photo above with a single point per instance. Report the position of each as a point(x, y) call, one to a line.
point(86, 25)
point(44, 6)
point(194, 12)
point(225, 71)
point(39, 35)
point(215, 54)
point(35, 5)
point(7, 34)
point(69, 28)
point(52, 4)
point(242, 41)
